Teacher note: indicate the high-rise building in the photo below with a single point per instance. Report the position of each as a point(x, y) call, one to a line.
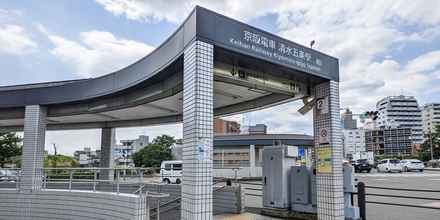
point(401, 112)
point(226, 127)
point(389, 142)
point(431, 117)
point(347, 120)
point(353, 141)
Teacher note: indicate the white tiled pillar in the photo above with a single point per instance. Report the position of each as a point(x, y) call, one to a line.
point(197, 132)
point(252, 160)
point(329, 179)
point(108, 141)
point(33, 147)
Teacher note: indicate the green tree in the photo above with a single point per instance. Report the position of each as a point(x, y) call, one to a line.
point(9, 147)
point(60, 161)
point(153, 154)
point(434, 139)
point(164, 140)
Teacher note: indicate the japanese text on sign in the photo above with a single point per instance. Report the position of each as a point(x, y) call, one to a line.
point(278, 50)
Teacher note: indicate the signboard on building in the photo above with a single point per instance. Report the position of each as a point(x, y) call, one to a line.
point(324, 160)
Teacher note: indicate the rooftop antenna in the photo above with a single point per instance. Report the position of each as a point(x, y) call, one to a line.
point(312, 43)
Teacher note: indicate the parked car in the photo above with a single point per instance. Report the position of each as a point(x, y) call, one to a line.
point(362, 165)
point(171, 171)
point(389, 165)
point(412, 164)
point(8, 175)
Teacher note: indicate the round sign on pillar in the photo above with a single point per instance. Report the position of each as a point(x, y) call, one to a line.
point(324, 136)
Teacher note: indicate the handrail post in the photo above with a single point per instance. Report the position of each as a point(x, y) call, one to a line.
point(117, 181)
point(17, 183)
point(147, 208)
point(94, 180)
point(157, 210)
point(141, 175)
point(44, 179)
point(70, 179)
point(361, 200)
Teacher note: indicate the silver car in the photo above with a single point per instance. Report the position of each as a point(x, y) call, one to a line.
point(412, 164)
point(389, 165)
point(7, 175)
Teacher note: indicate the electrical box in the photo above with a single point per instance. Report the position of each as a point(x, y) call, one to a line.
point(276, 169)
point(350, 211)
point(302, 190)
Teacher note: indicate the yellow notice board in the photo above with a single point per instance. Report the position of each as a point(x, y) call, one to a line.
point(324, 163)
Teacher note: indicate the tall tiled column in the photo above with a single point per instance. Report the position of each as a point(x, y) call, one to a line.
point(328, 152)
point(108, 140)
point(252, 160)
point(197, 132)
point(33, 147)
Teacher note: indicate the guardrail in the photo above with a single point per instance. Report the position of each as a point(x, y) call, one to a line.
point(95, 176)
point(67, 178)
point(362, 197)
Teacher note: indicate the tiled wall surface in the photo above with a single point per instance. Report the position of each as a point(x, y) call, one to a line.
point(330, 199)
point(197, 131)
point(58, 204)
point(33, 147)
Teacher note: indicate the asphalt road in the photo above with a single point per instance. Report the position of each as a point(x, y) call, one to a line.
point(428, 180)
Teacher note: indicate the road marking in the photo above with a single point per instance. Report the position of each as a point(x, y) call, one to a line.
point(380, 179)
point(435, 179)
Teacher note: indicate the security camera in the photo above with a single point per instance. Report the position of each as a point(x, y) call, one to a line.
point(309, 103)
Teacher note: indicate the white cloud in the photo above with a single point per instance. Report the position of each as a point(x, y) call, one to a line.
point(425, 62)
point(14, 40)
point(97, 53)
point(175, 11)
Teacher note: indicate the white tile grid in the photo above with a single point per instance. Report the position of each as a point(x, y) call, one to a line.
point(197, 125)
point(330, 186)
point(33, 147)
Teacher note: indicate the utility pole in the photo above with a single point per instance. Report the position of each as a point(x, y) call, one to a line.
point(54, 149)
point(55, 157)
point(430, 140)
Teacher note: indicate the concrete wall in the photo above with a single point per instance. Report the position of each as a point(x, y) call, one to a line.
point(61, 204)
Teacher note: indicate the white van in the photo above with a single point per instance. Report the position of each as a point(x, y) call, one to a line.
point(171, 171)
point(389, 165)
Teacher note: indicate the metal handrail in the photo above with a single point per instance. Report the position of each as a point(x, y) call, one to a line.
point(404, 205)
point(90, 175)
point(404, 197)
point(403, 189)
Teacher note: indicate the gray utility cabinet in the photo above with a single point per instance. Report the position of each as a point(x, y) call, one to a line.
point(302, 190)
point(276, 168)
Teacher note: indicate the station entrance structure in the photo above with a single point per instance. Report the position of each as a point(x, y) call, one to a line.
point(210, 66)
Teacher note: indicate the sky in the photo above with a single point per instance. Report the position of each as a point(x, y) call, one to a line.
point(384, 48)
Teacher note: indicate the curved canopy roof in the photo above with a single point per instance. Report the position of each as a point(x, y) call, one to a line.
point(151, 87)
